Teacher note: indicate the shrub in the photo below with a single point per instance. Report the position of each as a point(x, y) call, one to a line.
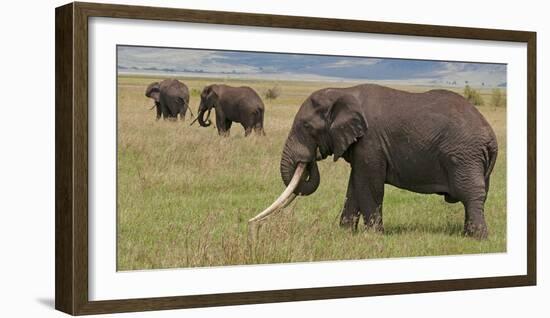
point(195, 92)
point(473, 96)
point(498, 98)
point(273, 93)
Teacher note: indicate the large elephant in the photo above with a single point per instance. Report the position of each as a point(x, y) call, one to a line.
point(432, 142)
point(171, 98)
point(232, 104)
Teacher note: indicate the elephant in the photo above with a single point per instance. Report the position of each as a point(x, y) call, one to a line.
point(434, 142)
point(171, 98)
point(232, 104)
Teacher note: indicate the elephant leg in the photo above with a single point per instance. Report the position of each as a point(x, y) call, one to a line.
point(159, 112)
point(221, 124)
point(474, 223)
point(224, 129)
point(259, 124)
point(259, 129)
point(247, 131)
point(471, 190)
point(164, 111)
point(227, 125)
point(349, 218)
point(247, 124)
point(368, 188)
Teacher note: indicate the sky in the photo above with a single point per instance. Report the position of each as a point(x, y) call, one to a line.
point(282, 66)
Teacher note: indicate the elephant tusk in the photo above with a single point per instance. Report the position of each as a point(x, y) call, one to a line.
point(285, 198)
point(207, 120)
point(289, 200)
point(318, 155)
point(190, 111)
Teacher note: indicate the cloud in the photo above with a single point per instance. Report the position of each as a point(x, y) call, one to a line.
point(352, 62)
point(177, 60)
point(310, 66)
point(477, 73)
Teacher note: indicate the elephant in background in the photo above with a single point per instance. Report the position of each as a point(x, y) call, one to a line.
point(434, 142)
point(232, 104)
point(171, 98)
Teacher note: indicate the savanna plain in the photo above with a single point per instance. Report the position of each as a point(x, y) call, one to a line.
point(185, 194)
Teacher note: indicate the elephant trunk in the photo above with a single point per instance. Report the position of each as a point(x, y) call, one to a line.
point(310, 179)
point(200, 117)
point(300, 175)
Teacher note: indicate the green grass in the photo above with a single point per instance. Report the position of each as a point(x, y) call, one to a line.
point(185, 194)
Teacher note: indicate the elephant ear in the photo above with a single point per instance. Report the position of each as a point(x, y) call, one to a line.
point(212, 95)
point(153, 91)
point(347, 123)
point(214, 91)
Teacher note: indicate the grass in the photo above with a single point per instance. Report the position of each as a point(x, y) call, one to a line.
point(185, 194)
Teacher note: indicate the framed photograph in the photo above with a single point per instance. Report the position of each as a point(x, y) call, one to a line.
point(211, 158)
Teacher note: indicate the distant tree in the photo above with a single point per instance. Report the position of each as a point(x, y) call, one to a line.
point(273, 92)
point(195, 92)
point(473, 96)
point(467, 91)
point(498, 98)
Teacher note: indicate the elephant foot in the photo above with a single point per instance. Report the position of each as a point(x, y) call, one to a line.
point(349, 222)
point(374, 224)
point(476, 230)
point(377, 228)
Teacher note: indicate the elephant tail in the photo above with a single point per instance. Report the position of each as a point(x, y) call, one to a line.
point(490, 160)
point(259, 126)
point(186, 105)
point(261, 117)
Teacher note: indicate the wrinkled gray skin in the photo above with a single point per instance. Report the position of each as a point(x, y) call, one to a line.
point(432, 142)
point(232, 104)
point(171, 98)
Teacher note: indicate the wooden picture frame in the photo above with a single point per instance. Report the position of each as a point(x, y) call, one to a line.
point(71, 122)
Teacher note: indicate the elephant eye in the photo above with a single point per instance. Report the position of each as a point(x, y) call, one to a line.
point(307, 125)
